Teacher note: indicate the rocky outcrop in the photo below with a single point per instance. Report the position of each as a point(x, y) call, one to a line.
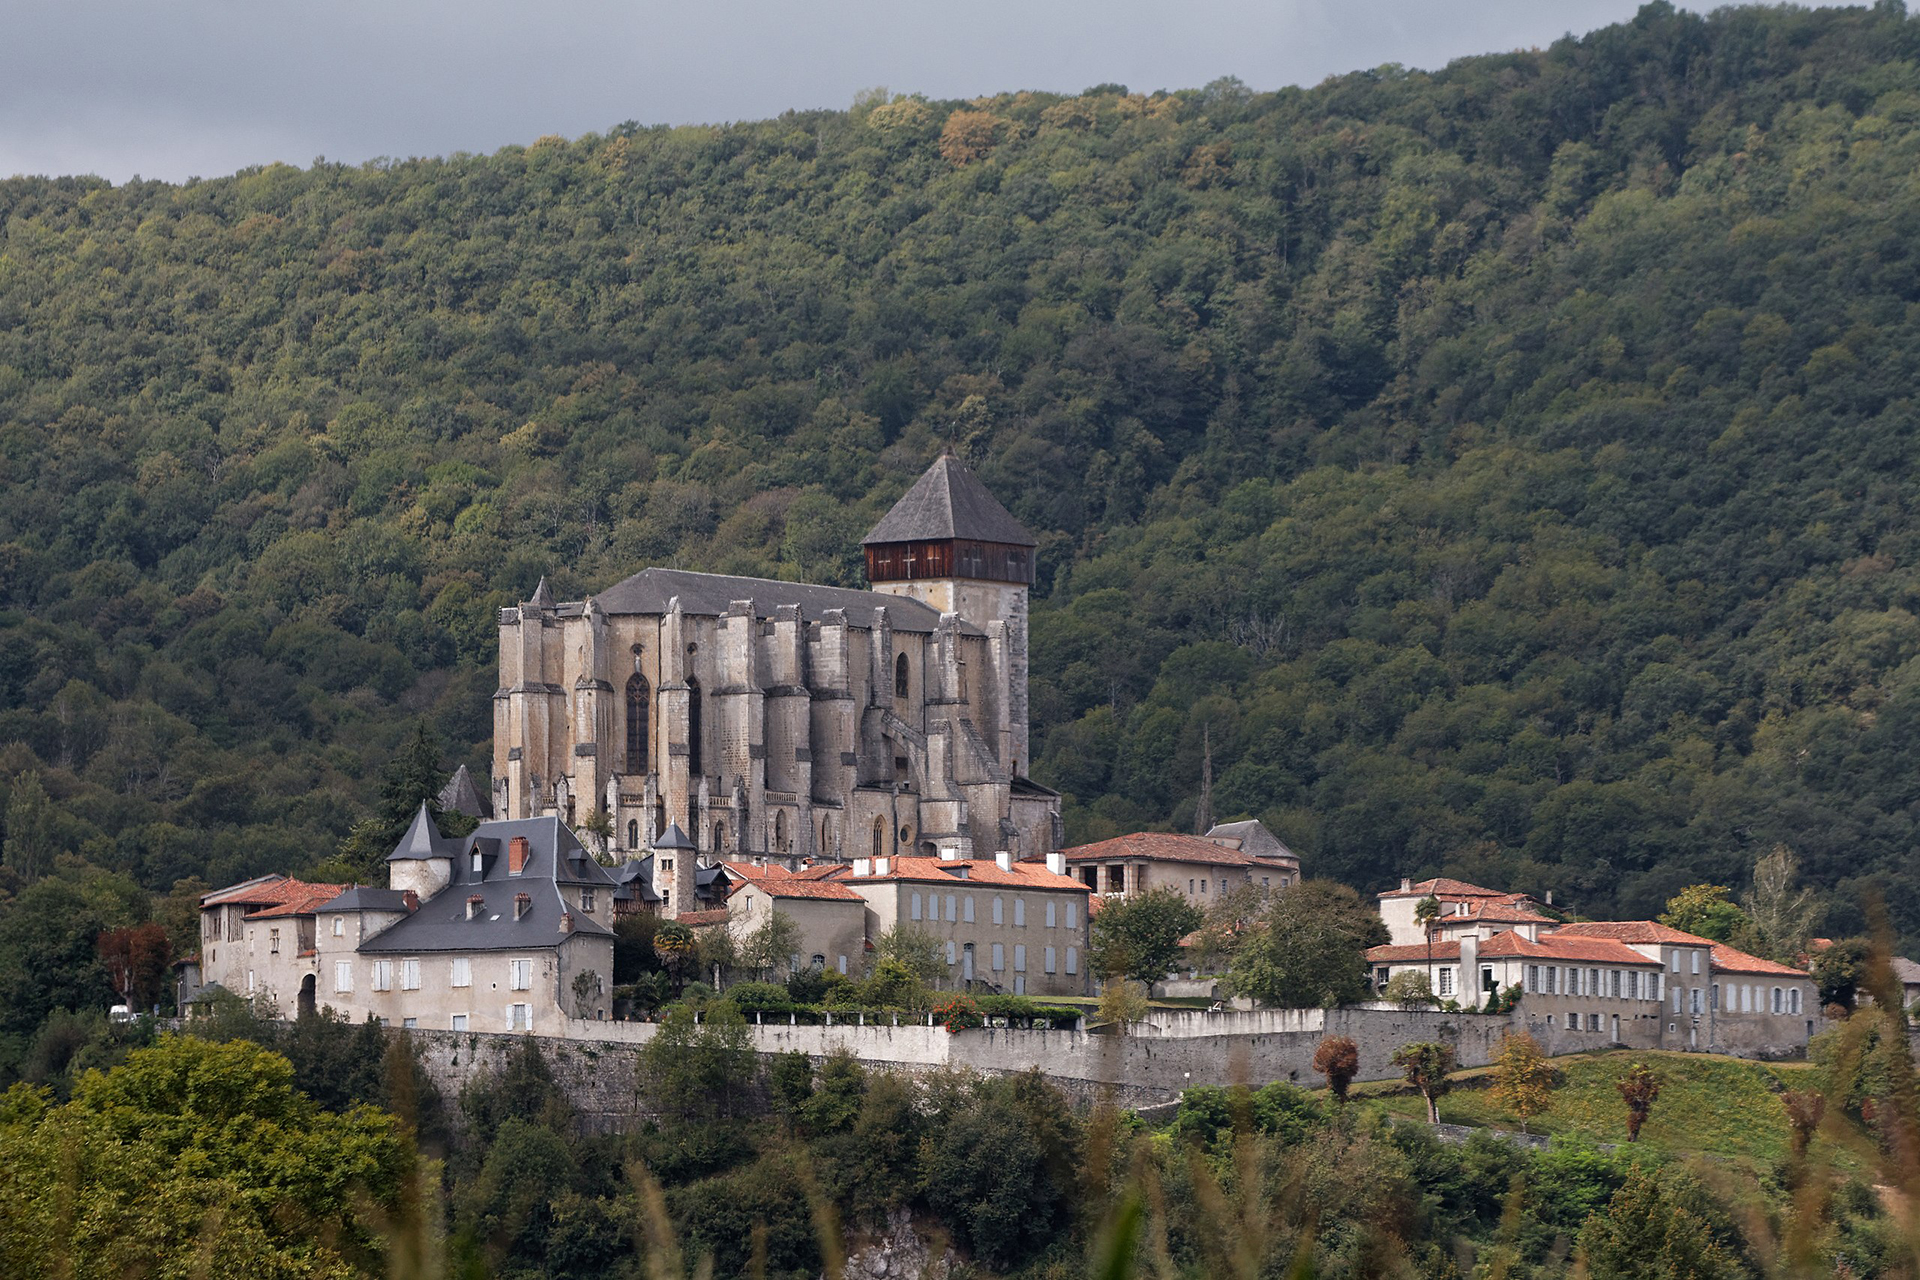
point(902, 1252)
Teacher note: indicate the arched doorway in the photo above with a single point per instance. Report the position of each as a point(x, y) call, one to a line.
point(306, 996)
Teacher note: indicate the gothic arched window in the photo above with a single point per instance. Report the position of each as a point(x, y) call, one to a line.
point(719, 838)
point(879, 837)
point(639, 700)
point(633, 833)
point(780, 831)
point(693, 726)
point(826, 838)
point(900, 676)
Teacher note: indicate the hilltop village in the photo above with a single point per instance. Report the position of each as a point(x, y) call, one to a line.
point(849, 764)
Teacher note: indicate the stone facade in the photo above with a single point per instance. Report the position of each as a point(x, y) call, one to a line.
point(785, 720)
point(1200, 868)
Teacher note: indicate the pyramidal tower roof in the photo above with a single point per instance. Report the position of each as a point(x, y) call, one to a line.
point(949, 502)
point(462, 795)
point(423, 840)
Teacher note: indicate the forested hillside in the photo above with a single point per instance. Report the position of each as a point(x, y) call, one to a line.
point(1507, 469)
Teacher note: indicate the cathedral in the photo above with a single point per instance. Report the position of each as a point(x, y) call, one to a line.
point(784, 720)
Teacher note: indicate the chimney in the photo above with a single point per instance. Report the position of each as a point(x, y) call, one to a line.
point(1057, 863)
point(522, 903)
point(1406, 884)
point(881, 866)
point(1549, 897)
point(566, 922)
point(1004, 860)
point(863, 866)
point(1469, 985)
point(949, 855)
point(475, 906)
point(412, 900)
point(516, 855)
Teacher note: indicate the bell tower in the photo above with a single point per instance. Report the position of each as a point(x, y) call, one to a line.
point(948, 543)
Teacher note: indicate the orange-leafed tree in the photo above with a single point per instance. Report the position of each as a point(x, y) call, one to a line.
point(1338, 1059)
point(969, 136)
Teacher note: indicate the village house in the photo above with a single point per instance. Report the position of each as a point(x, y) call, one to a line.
point(1201, 868)
point(1004, 926)
point(1636, 983)
point(506, 929)
point(829, 918)
point(1489, 910)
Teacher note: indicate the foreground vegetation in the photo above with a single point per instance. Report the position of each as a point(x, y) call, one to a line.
point(201, 1154)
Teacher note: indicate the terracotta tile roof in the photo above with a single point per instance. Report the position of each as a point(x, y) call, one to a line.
point(786, 886)
point(695, 919)
point(1443, 888)
point(1480, 912)
point(1025, 875)
point(1165, 846)
point(1512, 945)
point(823, 871)
point(1728, 960)
point(748, 871)
point(303, 904)
point(1640, 931)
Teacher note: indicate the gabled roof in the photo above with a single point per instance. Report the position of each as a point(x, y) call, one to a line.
point(948, 501)
point(1164, 846)
point(461, 795)
point(1642, 932)
point(423, 840)
point(712, 594)
point(1512, 945)
point(697, 919)
point(1253, 837)
point(1728, 960)
point(978, 871)
point(785, 886)
point(1481, 911)
point(274, 895)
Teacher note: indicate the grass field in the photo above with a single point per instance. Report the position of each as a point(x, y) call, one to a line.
point(1726, 1107)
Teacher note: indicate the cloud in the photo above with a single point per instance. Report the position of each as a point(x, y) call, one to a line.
point(204, 87)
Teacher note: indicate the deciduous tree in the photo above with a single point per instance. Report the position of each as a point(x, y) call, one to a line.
point(1426, 1066)
point(1338, 1059)
point(1309, 949)
point(1522, 1077)
point(1639, 1089)
point(1138, 937)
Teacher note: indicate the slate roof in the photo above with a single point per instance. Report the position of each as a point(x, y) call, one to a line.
point(633, 881)
point(1640, 931)
point(1905, 971)
point(554, 858)
point(948, 501)
point(1164, 846)
point(363, 898)
point(423, 840)
point(712, 594)
point(1254, 838)
point(461, 795)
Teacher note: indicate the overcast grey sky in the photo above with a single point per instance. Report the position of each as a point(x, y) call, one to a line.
point(176, 88)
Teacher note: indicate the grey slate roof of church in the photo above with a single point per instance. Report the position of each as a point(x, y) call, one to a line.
point(712, 594)
point(1254, 838)
point(554, 858)
point(462, 795)
point(949, 501)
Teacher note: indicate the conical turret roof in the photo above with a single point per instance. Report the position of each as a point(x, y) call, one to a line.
point(423, 840)
point(673, 838)
point(949, 502)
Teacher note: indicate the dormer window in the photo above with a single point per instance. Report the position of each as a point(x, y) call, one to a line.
point(477, 864)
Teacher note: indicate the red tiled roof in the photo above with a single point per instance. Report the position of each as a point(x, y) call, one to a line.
point(1025, 875)
point(748, 871)
point(822, 871)
point(300, 899)
point(1640, 931)
point(1479, 912)
point(1728, 960)
point(1512, 945)
point(1443, 888)
point(786, 886)
point(695, 919)
point(1163, 846)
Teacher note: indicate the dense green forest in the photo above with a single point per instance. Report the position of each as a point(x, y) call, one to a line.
point(1507, 468)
